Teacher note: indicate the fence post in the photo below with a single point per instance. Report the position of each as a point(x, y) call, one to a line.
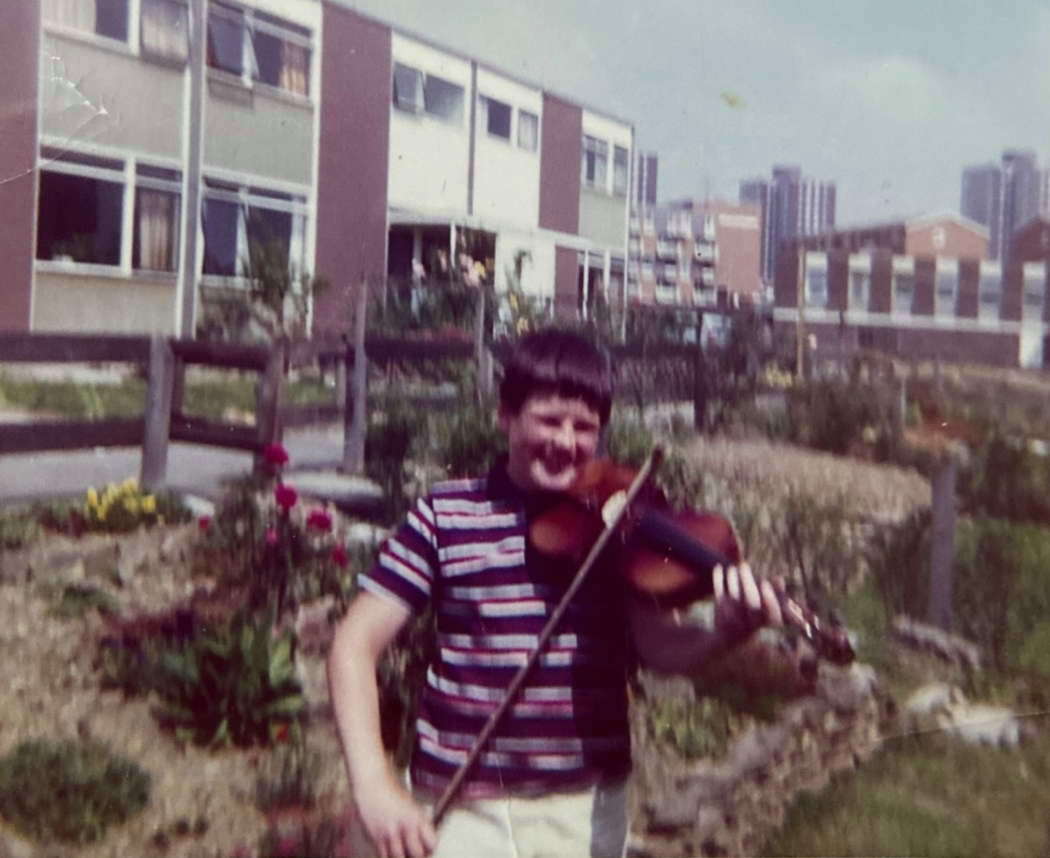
point(355, 421)
point(157, 417)
point(268, 399)
point(482, 355)
point(942, 554)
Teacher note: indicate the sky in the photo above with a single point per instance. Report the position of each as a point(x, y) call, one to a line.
point(888, 98)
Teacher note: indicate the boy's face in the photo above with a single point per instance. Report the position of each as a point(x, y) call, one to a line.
point(550, 439)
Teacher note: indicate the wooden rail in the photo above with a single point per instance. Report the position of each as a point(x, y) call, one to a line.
point(164, 360)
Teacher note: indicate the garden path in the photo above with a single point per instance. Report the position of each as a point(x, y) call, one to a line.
point(192, 468)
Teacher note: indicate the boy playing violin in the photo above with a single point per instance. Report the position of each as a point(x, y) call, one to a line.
point(551, 778)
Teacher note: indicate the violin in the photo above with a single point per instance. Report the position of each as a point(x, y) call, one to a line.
point(664, 555)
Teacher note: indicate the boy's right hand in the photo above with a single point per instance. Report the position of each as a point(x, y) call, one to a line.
point(394, 822)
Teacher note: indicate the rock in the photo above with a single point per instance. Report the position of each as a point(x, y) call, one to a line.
point(847, 689)
point(947, 646)
point(360, 533)
point(933, 697)
point(980, 724)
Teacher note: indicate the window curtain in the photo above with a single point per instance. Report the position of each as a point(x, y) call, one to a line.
point(78, 14)
point(156, 230)
point(164, 28)
point(295, 68)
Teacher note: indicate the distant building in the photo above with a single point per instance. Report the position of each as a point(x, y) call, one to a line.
point(790, 205)
point(947, 235)
point(695, 253)
point(1004, 197)
point(645, 179)
point(918, 289)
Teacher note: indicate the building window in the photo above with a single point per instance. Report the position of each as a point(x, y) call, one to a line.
point(443, 99)
point(903, 292)
point(595, 162)
point(408, 88)
point(619, 170)
point(259, 47)
point(528, 130)
point(164, 29)
point(989, 294)
point(1034, 290)
point(107, 18)
point(859, 290)
point(239, 222)
point(416, 92)
point(81, 209)
point(495, 117)
point(947, 288)
point(816, 288)
point(156, 240)
point(647, 267)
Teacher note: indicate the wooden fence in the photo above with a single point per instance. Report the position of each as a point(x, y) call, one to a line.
point(164, 361)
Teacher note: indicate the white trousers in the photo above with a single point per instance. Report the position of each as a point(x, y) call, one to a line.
point(590, 823)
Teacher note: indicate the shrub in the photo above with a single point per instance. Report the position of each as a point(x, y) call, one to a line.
point(387, 444)
point(1004, 479)
point(470, 442)
point(628, 440)
point(832, 415)
point(898, 559)
point(235, 684)
point(18, 527)
point(689, 727)
point(69, 791)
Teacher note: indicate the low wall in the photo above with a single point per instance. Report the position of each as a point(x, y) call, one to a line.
point(731, 806)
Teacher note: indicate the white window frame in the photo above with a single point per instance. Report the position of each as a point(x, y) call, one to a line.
point(244, 198)
point(599, 148)
point(1033, 291)
point(903, 267)
point(522, 113)
point(127, 43)
point(483, 118)
point(418, 106)
point(127, 176)
point(988, 310)
point(251, 24)
point(944, 305)
point(816, 264)
point(619, 188)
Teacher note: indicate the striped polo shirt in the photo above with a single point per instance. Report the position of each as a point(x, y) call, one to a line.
point(464, 547)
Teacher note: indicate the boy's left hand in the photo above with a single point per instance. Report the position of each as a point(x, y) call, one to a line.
point(743, 605)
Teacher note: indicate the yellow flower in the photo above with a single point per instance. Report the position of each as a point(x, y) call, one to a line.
point(131, 504)
point(149, 504)
point(92, 497)
point(130, 484)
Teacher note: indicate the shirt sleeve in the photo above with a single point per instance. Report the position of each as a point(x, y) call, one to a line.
point(407, 563)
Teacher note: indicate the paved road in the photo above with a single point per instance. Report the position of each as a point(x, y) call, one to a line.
point(192, 468)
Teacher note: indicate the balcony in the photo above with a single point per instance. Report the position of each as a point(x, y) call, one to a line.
point(667, 250)
point(705, 253)
point(666, 294)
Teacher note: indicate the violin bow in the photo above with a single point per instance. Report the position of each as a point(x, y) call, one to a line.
point(612, 523)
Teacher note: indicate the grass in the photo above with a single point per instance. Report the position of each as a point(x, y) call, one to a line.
point(208, 394)
point(928, 795)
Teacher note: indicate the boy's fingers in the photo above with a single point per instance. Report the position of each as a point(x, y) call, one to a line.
point(718, 576)
point(750, 588)
point(733, 583)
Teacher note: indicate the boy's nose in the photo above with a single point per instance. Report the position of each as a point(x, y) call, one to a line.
point(565, 436)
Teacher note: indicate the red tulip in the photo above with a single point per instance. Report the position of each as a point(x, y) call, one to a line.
point(339, 556)
point(204, 522)
point(285, 496)
point(319, 519)
point(276, 455)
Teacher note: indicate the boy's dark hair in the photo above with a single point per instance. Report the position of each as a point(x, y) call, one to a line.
point(558, 361)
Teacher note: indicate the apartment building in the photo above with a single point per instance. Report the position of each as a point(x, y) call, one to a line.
point(155, 141)
point(1004, 197)
point(914, 300)
point(703, 253)
point(791, 205)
